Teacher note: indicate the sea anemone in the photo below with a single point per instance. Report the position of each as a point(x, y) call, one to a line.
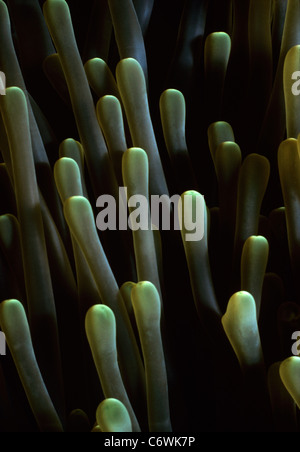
point(116, 314)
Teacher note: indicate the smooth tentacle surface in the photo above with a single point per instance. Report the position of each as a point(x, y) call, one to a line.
point(289, 373)
point(149, 216)
point(15, 326)
point(112, 416)
point(80, 218)
point(147, 309)
point(100, 327)
point(132, 87)
point(40, 297)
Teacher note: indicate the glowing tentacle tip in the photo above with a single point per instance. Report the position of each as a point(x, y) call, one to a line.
point(14, 324)
point(289, 372)
point(112, 416)
point(254, 262)
point(241, 328)
point(146, 305)
point(101, 331)
point(67, 178)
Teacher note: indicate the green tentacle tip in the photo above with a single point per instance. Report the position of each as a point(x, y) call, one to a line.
point(107, 105)
point(7, 307)
point(255, 251)
point(9, 228)
point(240, 309)
point(219, 39)
point(15, 326)
point(240, 325)
point(112, 416)
point(67, 178)
point(135, 170)
point(146, 303)
point(129, 64)
point(136, 157)
point(14, 98)
point(51, 5)
point(77, 209)
point(100, 326)
point(172, 102)
point(289, 371)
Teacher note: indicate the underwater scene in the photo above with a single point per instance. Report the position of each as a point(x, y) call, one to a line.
point(150, 216)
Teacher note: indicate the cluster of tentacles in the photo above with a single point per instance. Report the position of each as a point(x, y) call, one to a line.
point(140, 330)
